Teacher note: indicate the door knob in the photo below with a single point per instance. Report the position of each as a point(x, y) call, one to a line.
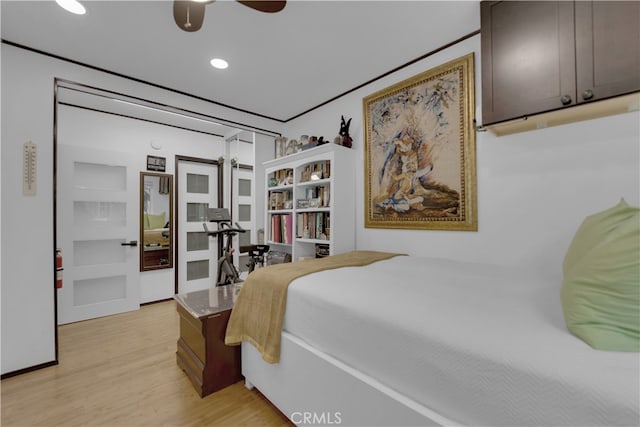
point(130, 243)
point(587, 94)
point(565, 99)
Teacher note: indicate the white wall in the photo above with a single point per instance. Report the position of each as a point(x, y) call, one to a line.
point(27, 316)
point(534, 188)
point(27, 221)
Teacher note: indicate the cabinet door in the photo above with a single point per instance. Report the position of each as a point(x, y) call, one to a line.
point(607, 48)
point(528, 63)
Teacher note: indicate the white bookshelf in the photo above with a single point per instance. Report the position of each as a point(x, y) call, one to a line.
point(334, 207)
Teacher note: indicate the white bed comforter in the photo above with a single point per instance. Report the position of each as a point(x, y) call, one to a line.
point(478, 344)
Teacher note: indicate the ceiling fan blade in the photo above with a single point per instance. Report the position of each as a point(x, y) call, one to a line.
point(188, 15)
point(264, 5)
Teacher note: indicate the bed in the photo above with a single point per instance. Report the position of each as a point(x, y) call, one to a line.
point(424, 341)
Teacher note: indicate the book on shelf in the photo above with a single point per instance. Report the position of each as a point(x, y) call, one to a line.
point(313, 225)
point(299, 225)
point(275, 228)
point(315, 197)
point(319, 224)
point(280, 200)
point(281, 177)
point(316, 171)
point(287, 234)
point(282, 228)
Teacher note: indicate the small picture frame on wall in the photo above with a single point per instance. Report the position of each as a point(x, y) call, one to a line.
point(156, 164)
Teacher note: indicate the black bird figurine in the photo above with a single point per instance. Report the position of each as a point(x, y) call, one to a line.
point(344, 132)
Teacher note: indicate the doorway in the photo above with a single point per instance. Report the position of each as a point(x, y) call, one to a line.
point(110, 122)
point(199, 187)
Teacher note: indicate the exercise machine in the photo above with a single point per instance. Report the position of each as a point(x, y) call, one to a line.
point(227, 272)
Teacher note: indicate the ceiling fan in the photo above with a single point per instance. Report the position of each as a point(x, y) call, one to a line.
point(189, 14)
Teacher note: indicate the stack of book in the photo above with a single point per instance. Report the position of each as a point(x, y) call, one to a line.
point(279, 200)
point(316, 171)
point(313, 225)
point(319, 193)
point(282, 228)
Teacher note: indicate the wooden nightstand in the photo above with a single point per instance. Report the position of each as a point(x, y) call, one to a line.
point(202, 354)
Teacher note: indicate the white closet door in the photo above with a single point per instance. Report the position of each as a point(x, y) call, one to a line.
point(96, 230)
point(197, 252)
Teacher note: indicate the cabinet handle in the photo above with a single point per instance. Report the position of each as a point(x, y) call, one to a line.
point(587, 94)
point(214, 316)
point(565, 99)
point(130, 243)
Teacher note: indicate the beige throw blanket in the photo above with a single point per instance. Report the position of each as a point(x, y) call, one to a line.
point(259, 311)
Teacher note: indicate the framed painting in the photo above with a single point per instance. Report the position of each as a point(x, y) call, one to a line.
point(420, 165)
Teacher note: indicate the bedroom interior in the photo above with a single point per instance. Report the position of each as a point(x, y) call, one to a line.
point(527, 314)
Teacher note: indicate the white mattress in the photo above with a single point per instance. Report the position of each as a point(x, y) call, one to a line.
point(477, 344)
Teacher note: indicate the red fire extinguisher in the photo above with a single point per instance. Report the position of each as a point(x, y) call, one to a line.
point(59, 268)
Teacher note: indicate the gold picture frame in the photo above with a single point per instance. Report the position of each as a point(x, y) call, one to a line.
point(420, 151)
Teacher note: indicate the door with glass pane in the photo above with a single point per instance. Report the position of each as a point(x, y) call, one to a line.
point(197, 191)
point(97, 229)
point(243, 212)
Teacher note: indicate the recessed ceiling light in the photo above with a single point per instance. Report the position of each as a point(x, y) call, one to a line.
point(219, 63)
point(72, 6)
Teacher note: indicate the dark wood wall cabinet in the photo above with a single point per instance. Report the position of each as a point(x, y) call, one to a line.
point(540, 56)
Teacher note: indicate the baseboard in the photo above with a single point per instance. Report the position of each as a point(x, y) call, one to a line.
point(29, 369)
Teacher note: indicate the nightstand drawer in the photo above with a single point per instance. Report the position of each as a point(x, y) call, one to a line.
point(191, 332)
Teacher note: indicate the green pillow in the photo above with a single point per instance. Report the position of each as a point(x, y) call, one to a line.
point(601, 286)
point(152, 221)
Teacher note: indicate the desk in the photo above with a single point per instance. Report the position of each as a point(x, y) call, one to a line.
point(202, 354)
point(155, 256)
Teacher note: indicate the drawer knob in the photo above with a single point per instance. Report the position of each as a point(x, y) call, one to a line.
point(565, 99)
point(587, 94)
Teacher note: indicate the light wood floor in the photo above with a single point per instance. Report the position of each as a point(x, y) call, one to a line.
point(121, 371)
